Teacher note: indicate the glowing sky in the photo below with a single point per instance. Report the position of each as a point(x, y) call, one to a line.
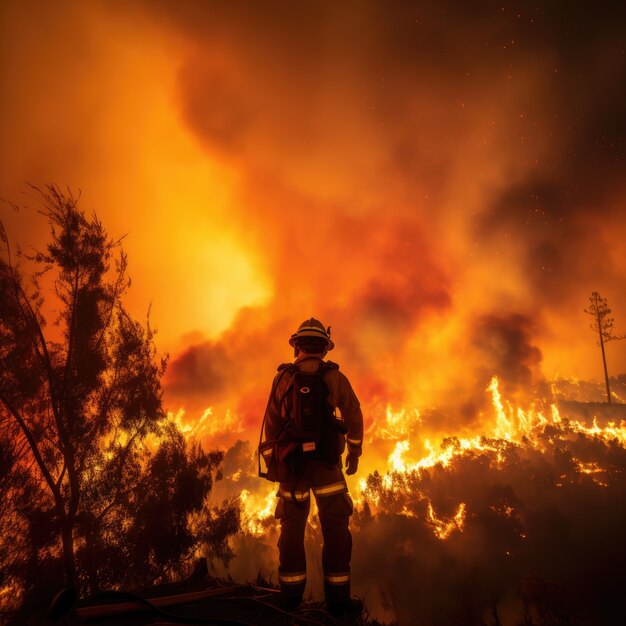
point(442, 184)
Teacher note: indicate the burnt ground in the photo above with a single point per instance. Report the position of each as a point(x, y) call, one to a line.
point(200, 599)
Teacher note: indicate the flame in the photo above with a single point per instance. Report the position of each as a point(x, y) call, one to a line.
point(442, 527)
point(208, 425)
point(257, 512)
point(505, 428)
point(177, 418)
point(510, 427)
point(591, 467)
point(396, 424)
point(395, 458)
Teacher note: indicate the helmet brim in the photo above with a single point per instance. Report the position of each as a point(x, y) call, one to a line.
point(309, 333)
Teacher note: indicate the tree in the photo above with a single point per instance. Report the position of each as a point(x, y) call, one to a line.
point(602, 324)
point(148, 531)
point(80, 397)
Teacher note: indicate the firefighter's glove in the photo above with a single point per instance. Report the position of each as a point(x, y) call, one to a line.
point(352, 462)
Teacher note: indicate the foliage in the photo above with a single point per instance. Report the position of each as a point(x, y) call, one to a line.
point(101, 486)
point(601, 320)
point(542, 535)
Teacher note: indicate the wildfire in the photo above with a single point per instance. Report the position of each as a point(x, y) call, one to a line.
point(257, 512)
point(513, 425)
point(401, 423)
point(207, 425)
point(442, 527)
point(510, 428)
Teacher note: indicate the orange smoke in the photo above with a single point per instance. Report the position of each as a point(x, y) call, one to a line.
point(405, 178)
point(441, 184)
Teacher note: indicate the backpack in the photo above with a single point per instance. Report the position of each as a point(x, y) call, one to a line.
point(310, 431)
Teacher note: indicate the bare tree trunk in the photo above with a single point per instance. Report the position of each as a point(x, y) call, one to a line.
point(606, 373)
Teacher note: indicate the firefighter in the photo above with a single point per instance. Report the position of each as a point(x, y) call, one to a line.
point(311, 342)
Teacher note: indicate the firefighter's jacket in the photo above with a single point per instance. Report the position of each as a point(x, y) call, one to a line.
point(341, 396)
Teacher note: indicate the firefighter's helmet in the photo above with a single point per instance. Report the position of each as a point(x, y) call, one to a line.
point(312, 328)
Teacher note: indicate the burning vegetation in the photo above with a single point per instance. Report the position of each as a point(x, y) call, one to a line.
point(441, 181)
point(515, 516)
point(509, 515)
point(519, 522)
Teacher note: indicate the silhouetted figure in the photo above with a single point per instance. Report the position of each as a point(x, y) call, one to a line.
point(304, 441)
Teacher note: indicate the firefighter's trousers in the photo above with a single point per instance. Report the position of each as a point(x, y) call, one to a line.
point(335, 507)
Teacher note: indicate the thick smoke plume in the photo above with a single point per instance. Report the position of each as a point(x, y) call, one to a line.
point(442, 183)
point(423, 178)
point(400, 172)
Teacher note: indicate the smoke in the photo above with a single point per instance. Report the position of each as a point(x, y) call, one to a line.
point(397, 172)
point(504, 343)
point(200, 368)
point(407, 172)
point(441, 183)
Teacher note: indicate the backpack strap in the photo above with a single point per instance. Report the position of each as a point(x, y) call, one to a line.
point(290, 368)
point(282, 368)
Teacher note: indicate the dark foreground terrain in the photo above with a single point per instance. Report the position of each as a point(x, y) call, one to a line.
point(200, 599)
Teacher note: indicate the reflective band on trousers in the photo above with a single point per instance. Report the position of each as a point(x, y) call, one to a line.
point(292, 578)
point(296, 495)
point(338, 579)
point(354, 442)
point(329, 490)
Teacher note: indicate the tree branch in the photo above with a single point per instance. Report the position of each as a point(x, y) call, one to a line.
point(36, 454)
point(60, 478)
point(123, 455)
point(116, 291)
point(30, 318)
point(70, 341)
